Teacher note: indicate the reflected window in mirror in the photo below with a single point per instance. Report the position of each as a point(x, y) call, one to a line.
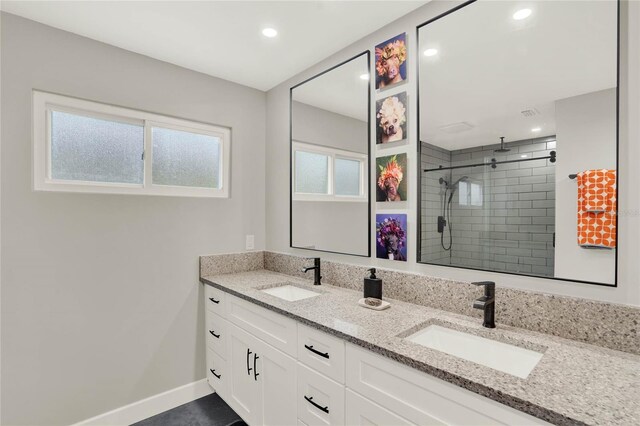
point(328, 174)
point(518, 123)
point(330, 197)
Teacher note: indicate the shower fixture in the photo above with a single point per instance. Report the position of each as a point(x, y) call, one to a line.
point(445, 219)
point(502, 148)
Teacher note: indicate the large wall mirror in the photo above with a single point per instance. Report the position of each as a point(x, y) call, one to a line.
point(330, 200)
point(518, 130)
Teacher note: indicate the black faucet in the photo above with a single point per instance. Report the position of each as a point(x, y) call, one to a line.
point(487, 303)
point(316, 267)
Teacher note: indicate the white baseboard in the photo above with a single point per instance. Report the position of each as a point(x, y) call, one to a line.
point(151, 406)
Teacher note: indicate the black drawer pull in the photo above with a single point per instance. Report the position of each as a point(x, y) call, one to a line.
point(319, 407)
point(322, 354)
point(248, 368)
point(255, 372)
point(217, 336)
point(214, 373)
point(214, 300)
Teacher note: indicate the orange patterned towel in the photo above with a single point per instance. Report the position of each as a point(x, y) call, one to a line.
point(597, 208)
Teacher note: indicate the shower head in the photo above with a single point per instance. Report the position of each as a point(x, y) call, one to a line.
point(441, 181)
point(502, 148)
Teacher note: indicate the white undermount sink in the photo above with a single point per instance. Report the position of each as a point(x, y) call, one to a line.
point(290, 293)
point(500, 356)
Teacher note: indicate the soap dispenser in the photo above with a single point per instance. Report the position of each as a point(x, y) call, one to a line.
point(373, 285)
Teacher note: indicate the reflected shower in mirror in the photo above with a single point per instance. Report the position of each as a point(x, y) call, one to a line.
point(518, 139)
point(330, 206)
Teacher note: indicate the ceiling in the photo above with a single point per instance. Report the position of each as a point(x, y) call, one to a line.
point(490, 67)
point(340, 90)
point(222, 38)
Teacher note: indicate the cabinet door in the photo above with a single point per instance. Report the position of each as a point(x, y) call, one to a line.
point(361, 412)
point(277, 379)
point(243, 392)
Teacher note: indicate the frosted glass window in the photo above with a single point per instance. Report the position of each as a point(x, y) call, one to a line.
point(475, 197)
point(185, 159)
point(347, 177)
point(470, 194)
point(96, 150)
point(312, 173)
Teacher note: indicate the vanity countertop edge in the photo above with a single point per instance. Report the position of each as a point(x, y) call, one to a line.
point(569, 365)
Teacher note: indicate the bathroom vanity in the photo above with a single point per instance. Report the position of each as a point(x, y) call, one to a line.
point(282, 351)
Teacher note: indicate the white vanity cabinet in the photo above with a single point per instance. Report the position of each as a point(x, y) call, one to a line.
point(261, 386)
point(275, 371)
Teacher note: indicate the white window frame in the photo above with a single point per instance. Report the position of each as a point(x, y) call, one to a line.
point(332, 153)
point(44, 103)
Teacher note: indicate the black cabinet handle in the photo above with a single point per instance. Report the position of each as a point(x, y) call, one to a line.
point(319, 407)
point(255, 372)
point(248, 368)
point(322, 354)
point(214, 373)
point(217, 336)
point(214, 300)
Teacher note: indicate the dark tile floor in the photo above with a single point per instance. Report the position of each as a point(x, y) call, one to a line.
point(210, 410)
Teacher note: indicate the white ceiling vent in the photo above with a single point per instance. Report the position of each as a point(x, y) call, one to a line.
point(530, 112)
point(460, 127)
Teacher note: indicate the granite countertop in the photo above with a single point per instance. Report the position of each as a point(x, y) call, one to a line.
point(573, 383)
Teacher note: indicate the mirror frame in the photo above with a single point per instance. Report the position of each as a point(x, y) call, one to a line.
point(420, 172)
point(367, 54)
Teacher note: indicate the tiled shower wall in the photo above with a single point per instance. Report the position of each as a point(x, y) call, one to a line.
point(433, 157)
point(513, 228)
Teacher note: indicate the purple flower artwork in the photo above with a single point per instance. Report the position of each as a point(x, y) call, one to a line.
point(391, 237)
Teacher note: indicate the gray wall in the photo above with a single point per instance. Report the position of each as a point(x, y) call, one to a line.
point(334, 226)
point(326, 128)
point(628, 290)
point(101, 304)
point(586, 140)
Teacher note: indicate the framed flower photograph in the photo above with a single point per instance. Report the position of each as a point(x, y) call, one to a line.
point(391, 237)
point(391, 62)
point(391, 119)
point(391, 184)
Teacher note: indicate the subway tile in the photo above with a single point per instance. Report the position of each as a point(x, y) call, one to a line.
point(519, 188)
point(533, 196)
point(518, 252)
point(543, 220)
point(533, 212)
point(549, 170)
point(533, 228)
point(519, 172)
point(543, 187)
point(533, 261)
point(533, 179)
point(543, 204)
point(518, 220)
point(518, 204)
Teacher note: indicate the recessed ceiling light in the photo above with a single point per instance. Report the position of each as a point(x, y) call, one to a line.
point(269, 32)
point(536, 129)
point(430, 52)
point(522, 14)
point(364, 76)
point(523, 156)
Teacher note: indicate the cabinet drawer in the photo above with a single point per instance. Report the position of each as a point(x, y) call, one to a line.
point(322, 352)
point(320, 400)
point(217, 373)
point(214, 299)
point(216, 334)
point(363, 412)
point(423, 399)
point(275, 329)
